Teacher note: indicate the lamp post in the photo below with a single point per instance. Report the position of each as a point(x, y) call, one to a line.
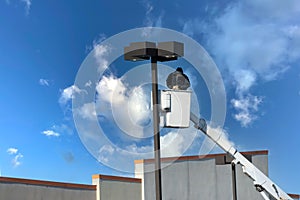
point(162, 52)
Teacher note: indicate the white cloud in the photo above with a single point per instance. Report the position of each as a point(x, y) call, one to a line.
point(62, 128)
point(244, 80)
point(26, 2)
point(192, 26)
point(68, 94)
point(100, 38)
point(219, 131)
point(27, 5)
point(88, 84)
point(139, 149)
point(44, 82)
point(50, 133)
point(111, 90)
point(16, 161)
point(172, 144)
point(138, 106)
point(149, 9)
point(251, 41)
point(100, 52)
point(87, 111)
point(150, 19)
point(12, 151)
point(128, 106)
point(246, 107)
point(105, 152)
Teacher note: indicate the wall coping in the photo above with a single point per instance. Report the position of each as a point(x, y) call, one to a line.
point(200, 157)
point(294, 196)
point(116, 178)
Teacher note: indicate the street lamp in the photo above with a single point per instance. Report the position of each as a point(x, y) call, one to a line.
point(162, 52)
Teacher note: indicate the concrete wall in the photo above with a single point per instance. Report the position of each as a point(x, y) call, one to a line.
point(24, 189)
point(207, 178)
point(224, 177)
point(117, 188)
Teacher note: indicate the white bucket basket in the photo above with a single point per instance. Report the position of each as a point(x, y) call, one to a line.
point(175, 108)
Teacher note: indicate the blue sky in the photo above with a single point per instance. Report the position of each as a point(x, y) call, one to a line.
point(255, 45)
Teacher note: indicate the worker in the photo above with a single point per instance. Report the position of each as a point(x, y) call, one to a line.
point(178, 80)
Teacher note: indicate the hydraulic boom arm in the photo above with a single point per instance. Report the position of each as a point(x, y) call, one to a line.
point(261, 182)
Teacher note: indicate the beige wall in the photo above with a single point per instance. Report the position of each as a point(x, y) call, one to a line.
point(24, 189)
point(117, 188)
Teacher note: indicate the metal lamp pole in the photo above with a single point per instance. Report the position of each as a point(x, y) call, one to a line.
point(158, 188)
point(164, 51)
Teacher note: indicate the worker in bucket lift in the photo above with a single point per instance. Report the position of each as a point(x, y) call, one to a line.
point(178, 80)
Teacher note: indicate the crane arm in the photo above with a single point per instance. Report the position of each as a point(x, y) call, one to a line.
point(261, 182)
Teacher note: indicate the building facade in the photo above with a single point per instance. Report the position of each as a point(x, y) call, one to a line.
point(202, 177)
point(210, 177)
